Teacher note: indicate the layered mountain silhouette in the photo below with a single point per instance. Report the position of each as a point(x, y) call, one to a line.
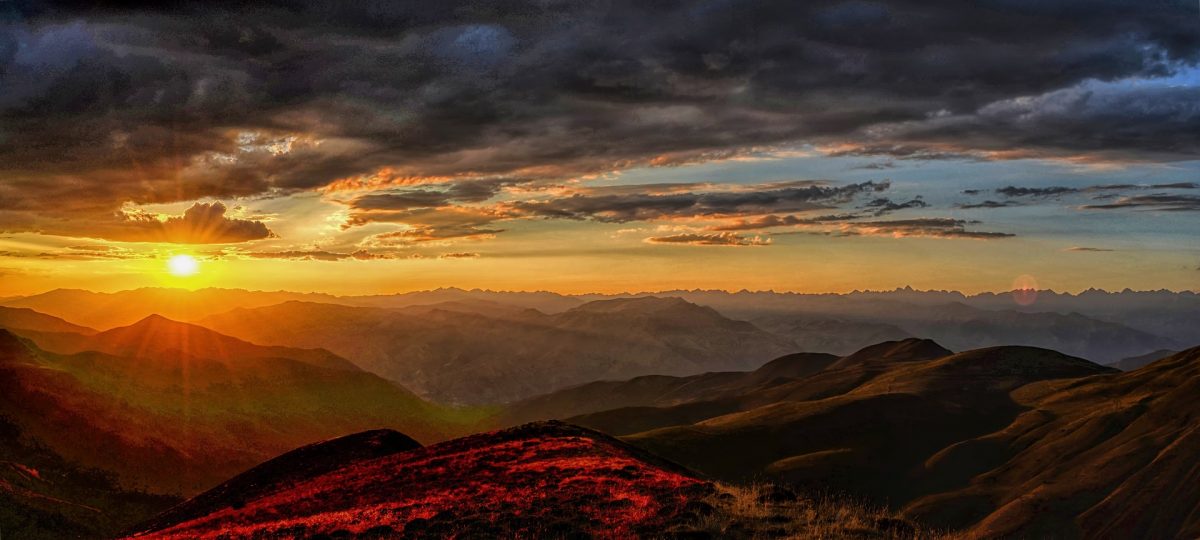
point(175, 408)
point(26, 319)
point(157, 337)
point(1101, 326)
point(1000, 442)
point(462, 355)
point(542, 480)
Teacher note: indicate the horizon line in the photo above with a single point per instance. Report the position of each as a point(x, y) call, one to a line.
point(907, 288)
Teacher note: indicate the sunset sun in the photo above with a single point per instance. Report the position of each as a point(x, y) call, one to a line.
point(183, 265)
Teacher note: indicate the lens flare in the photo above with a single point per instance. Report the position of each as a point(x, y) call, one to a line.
point(1024, 290)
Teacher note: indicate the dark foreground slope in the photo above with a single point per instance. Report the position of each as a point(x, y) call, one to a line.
point(44, 496)
point(544, 480)
point(1004, 442)
point(1100, 457)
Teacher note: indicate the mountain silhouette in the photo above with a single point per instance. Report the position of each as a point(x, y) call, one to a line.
point(453, 356)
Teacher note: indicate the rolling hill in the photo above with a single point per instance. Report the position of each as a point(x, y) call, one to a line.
point(662, 390)
point(457, 356)
point(178, 422)
point(545, 480)
point(157, 337)
point(26, 319)
point(1100, 457)
point(999, 442)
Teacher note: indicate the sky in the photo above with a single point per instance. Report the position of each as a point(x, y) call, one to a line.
point(827, 146)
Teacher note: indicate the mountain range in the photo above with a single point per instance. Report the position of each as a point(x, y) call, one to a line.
point(1102, 326)
point(475, 354)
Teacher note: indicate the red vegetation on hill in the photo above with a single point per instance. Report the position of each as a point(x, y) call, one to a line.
point(535, 480)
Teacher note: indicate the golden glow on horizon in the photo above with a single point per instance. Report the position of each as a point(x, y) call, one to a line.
point(183, 266)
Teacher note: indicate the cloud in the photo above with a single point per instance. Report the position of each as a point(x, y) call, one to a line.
point(884, 205)
point(1087, 249)
point(322, 255)
point(711, 239)
point(202, 223)
point(989, 204)
point(141, 104)
point(625, 207)
point(467, 191)
point(1166, 203)
point(854, 225)
point(459, 255)
point(1013, 191)
point(928, 227)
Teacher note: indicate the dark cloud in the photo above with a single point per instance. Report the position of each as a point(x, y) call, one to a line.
point(711, 239)
point(989, 204)
point(855, 225)
point(624, 207)
point(1087, 249)
point(1166, 203)
point(203, 223)
point(932, 227)
point(469, 191)
point(103, 104)
point(322, 255)
point(1014, 191)
point(884, 205)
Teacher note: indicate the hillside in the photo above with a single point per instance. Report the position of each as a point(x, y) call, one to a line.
point(454, 356)
point(158, 337)
point(179, 423)
point(1101, 457)
point(1136, 362)
point(25, 319)
point(547, 480)
point(110, 310)
point(661, 390)
point(45, 496)
point(999, 442)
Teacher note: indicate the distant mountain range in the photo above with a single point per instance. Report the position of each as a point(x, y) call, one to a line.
point(1101, 326)
point(477, 354)
point(1003, 441)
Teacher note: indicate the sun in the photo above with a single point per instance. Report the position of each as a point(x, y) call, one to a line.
point(183, 265)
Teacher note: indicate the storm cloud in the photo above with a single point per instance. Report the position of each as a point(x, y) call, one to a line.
point(103, 105)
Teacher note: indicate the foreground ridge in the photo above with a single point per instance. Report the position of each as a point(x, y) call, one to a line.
point(542, 480)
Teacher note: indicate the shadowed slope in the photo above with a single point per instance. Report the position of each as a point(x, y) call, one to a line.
point(889, 409)
point(1135, 362)
point(292, 467)
point(27, 319)
point(541, 480)
point(180, 423)
point(834, 377)
point(1101, 457)
point(159, 337)
point(661, 390)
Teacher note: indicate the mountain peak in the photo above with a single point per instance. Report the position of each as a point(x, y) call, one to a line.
point(641, 304)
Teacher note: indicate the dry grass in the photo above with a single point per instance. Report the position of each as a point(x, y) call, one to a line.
point(766, 511)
